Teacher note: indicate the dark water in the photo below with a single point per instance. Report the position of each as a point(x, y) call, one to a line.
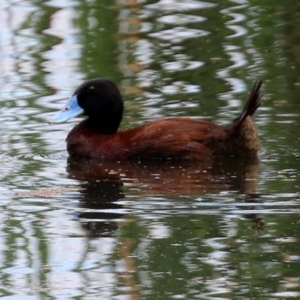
point(79, 230)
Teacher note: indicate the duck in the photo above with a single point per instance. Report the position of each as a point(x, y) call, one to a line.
point(181, 138)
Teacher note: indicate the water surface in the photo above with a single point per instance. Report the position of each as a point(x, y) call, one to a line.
point(149, 230)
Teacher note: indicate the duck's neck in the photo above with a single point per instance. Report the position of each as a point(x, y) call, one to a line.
point(103, 125)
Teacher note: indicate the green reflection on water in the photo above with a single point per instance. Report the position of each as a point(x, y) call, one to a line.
point(198, 251)
point(98, 28)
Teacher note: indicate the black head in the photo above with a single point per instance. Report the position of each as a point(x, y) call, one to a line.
point(102, 102)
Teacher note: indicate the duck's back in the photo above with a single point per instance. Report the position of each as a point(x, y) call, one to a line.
point(174, 138)
point(193, 139)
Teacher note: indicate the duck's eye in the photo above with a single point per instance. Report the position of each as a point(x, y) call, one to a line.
point(66, 108)
point(90, 89)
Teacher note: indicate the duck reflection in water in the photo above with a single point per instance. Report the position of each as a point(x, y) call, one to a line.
point(100, 198)
point(104, 184)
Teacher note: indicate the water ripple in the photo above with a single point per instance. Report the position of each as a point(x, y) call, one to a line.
point(182, 65)
point(179, 5)
point(180, 19)
point(178, 34)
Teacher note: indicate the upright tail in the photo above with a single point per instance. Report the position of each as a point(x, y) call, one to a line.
point(251, 105)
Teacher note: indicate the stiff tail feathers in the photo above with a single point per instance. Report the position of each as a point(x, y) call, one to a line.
point(251, 105)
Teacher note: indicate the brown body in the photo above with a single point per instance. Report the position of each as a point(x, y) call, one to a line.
point(170, 138)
